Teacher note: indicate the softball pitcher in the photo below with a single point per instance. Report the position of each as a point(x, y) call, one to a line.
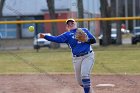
point(79, 40)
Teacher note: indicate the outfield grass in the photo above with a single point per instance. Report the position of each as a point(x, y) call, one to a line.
point(109, 60)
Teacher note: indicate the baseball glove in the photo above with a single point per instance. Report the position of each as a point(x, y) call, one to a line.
point(81, 35)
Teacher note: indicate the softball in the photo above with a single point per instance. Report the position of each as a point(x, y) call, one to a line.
point(31, 28)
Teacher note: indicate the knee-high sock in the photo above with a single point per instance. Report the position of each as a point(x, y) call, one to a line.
point(86, 85)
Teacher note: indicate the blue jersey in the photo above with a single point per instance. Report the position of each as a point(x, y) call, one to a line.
point(69, 38)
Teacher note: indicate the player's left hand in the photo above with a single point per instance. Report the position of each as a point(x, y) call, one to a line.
point(81, 35)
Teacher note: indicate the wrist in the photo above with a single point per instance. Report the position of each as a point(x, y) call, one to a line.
point(91, 41)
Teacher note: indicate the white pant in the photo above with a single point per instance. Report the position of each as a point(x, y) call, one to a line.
point(83, 66)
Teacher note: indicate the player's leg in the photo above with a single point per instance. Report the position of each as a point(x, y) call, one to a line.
point(77, 68)
point(86, 69)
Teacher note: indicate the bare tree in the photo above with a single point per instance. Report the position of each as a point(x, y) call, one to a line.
point(52, 14)
point(1, 6)
point(119, 13)
point(51, 8)
point(80, 11)
point(105, 25)
point(113, 8)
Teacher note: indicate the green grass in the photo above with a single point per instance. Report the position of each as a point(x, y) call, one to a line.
point(121, 61)
point(108, 60)
point(31, 61)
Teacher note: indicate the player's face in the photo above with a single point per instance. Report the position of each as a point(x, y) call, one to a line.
point(70, 25)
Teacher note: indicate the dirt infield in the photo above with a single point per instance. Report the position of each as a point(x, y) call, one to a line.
point(66, 83)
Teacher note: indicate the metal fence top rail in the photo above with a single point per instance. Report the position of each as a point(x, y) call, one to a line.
point(63, 20)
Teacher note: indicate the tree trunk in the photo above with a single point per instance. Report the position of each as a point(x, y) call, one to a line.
point(19, 29)
point(1, 6)
point(119, 10)
point(105, 25)
point(80, 11)
point(51, 8)
point(113, 8)
point(130, 13)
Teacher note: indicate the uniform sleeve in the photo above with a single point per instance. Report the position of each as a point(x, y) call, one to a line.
point(92, 38)
point(58, 39)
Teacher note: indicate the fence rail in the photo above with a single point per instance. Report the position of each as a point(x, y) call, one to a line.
point(63, 20)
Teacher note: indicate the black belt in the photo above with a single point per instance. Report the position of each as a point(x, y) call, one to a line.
point(82, 54)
